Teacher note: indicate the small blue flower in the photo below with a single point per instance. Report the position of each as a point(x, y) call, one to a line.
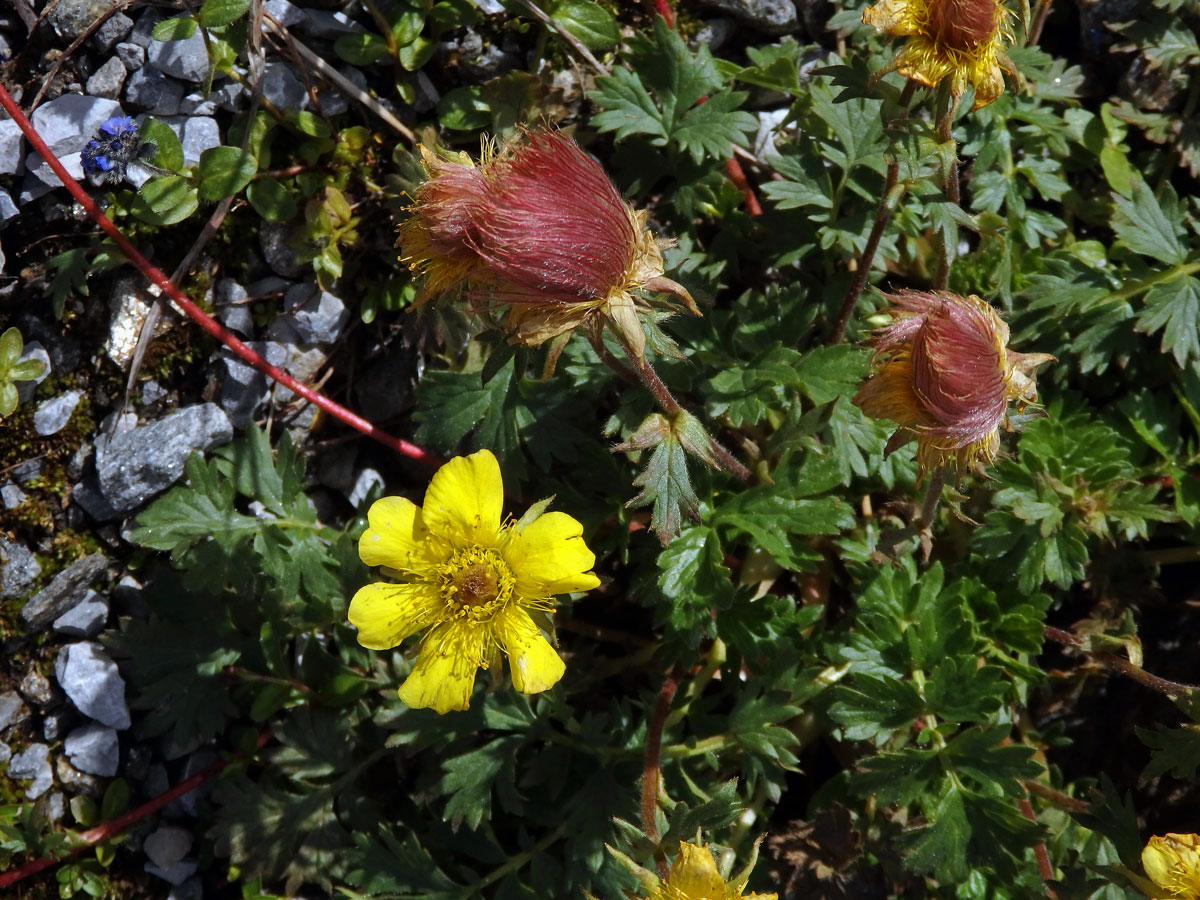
point(118, 125)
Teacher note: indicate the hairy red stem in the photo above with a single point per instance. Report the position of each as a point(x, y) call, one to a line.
point(738, 177)
point(664, 10)
point(1045, 869)
point(93, 836)
point(650, 768)
point(205, 321)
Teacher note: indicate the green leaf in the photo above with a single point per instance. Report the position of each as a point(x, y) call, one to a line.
point(1175, 750)
point(1150, 227)
point(218, 13)
point(674, 115)
point(360, 49)
point(11, 347)
point(693, 577)
point(1175, 308)
point(223, 171)
point(469, 779)
point(591, 23)
point(272, 200)
point(170, 154)
point(464, 109)
point(875, 707)
point(665, 482)
point(179, 28)
point(165, 200)
point(9, 398)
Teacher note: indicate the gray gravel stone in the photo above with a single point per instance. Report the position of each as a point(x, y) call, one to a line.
point(108, 80)
point(273, 239)
point(8, 209)
point(52, 415)
point(196, 134)
point(302, 365)
point(56, 724)
point(244, 389)
point(772, 17)
point(85, 619)
point(282, 87)
point(151, 90)
point(11, 156)
point(93, 748)
point(231, 96)
point(35, 687)
point(318, 316)
point(143, 31)
point(284, 12)
point(367, 480)
point(18, 568)
point(111, 31)
point(167, 845)
point(71, 18)
point(132, 55)
point(133, 466)
point(5, 754)
point(177, 874)
point(68, 588)
point(198, 103)
point(33, 762)
point(93, 683)
point(66, 124)
point(25, 472)
point(75, 781)
point(13, 710)
point(12, 496)
point(192, 889)
point(323, 24)
point(385, 389)
point(232, 312)
point(186, 59)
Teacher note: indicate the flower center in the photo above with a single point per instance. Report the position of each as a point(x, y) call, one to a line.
point(475, 583)
point(962, 24)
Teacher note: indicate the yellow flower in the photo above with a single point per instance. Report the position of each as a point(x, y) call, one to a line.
point(963, 39)
point(1173, 863)
point(946, 377)
point(694, 876)
point(471, 579)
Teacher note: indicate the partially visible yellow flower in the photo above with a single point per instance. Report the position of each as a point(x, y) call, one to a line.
point(472, 579)
point(962, 39)
point(946, 376)
point(1172, 862)
point(693, 876)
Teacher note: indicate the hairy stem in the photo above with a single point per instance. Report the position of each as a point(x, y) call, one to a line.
point(883, 215)
point(1045, 869)
point(650, 766)
point(1057, 797)
point(1171, 689)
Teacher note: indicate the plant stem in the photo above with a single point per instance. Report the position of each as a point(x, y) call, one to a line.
point(515, 863)
point(193, 311)
point(663, 7)
point(929, 503)
point(883, 215)
point(1170, 556)
point(1171, 689)
point(1169, 275)
point(93, 836)
point(1039, 22)
point(1058, 798)
point(650, 766)
point(1045, 869)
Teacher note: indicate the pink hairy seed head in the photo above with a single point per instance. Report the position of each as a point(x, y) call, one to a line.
point(963, 24)
point(448, 205)
point(553, 224)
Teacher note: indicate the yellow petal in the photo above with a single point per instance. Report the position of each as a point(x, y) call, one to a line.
point(465, 500)
point(889, 394)
point(549, 557)
point(444, 674)
point(694, 873)
point(536, 665)
point(385, 614)
point(891, 17)
point(1172, 862)
point(396, 535)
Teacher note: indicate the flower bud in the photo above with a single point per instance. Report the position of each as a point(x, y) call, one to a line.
point(946, 377)
point(539, 228)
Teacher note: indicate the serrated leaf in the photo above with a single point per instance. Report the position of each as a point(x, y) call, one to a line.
point(666, 484)
point(1175, 309)
point(1150, 226)
point(1175, 750)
